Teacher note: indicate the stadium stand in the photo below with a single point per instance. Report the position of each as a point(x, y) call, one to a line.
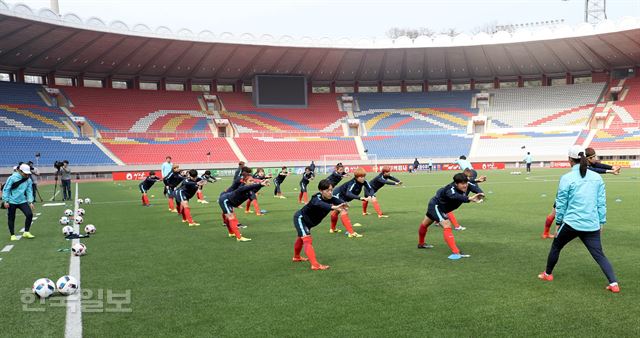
point(77, 150)
point(555, 106)
point(295, 148)
point(138, 110)
point(147, 148)
point(624, 130)
point(509, 146)
point(437, 145)
point(21, 108)
point(321, 116)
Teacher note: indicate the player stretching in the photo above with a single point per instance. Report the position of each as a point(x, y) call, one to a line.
point(447, 199)
point(207, 178)
point(472, 175)
point(337, 175)
point(185, 192)
point(253, 198)
point(304, 182)
point(384, 178)
point(230, 200)
point(171, 181)
point(311, 215)
point(277, 192)
point(348, 192)
point(145, 185)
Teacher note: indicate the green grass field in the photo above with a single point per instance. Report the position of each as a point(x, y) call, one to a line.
point(197, 282)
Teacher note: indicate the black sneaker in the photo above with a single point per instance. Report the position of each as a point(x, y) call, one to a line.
point(425, 246)
point(241, 226)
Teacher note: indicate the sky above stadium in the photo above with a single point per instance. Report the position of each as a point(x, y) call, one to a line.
point(331, 18)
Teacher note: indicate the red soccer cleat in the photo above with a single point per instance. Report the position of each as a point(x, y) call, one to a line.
point(613, 288)
point(543, 276)
point(319, 267)
point(300, 259)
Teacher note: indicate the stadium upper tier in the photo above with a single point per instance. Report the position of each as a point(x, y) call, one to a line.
point(569, 105)
point(43, 42)
point(624, 129)
point(22, 108)
point(138, 110)
point(321, 115)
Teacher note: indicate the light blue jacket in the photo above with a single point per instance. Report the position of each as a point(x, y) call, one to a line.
point(528, 159)
point(464, 164)
point(17, 195)
point(581, 202)
point(166, 169)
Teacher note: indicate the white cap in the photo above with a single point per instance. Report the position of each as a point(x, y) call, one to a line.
point(575, 150)
point(25, 168)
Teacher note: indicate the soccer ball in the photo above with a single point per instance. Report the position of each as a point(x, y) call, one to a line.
point(78, 219)
point(80, 200)
point(79, 249)
point(68, 212)
point(90, 229)
point(64, 220)
point(67, 285)
point(67, 230)
point(43, 287)
point(87, 200)
point(80, 212)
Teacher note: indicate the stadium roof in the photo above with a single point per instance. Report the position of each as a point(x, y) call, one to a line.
point(44, 42)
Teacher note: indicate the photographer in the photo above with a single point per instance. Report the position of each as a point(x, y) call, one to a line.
point(18, 194)
point(65, 178)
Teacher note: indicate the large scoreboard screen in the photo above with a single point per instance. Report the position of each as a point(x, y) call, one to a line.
point(280, 91)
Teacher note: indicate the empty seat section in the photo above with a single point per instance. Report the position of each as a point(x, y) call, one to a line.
point(21, 108)
point(555, 106)
point(295, 148)
point(136, 110)
point(321, 116)
point(410, 146)
point(187, 148)
point(78, 151)
point(513, 146)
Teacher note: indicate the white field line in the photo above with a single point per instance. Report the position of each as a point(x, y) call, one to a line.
point(73, 324)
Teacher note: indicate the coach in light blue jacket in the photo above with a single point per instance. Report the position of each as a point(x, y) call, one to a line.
point(581, 211)
point(18, 194)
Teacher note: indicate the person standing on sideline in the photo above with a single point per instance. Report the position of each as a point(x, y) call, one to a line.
point(167, 167)
point(430, 165)
point(35, 175)
point(18, 194)
point(66, 181)
point(581, 211)
point(528, 159)
point(312, 166)
point(415, 165)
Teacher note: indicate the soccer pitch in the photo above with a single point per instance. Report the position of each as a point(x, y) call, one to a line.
point(198, 282)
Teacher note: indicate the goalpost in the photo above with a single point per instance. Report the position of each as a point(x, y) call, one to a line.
point(329, 161)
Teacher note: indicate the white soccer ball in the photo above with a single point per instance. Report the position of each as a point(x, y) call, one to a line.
point(80, 212)
point(80, 200)
point(64, 220)
point(78, 219)
point(87, 200)
point(90, 229)
point(79, 249)
point(43, 287)
point(67, 285)
point(68, 212)
point(67, 230)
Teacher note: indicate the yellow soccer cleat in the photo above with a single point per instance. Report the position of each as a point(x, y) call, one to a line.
point(14, 238)
point(336, 231)
point(194, 224)
point(28, 235)
point(243, 239)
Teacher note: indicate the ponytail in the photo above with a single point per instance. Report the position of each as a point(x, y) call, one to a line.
point(583, 164)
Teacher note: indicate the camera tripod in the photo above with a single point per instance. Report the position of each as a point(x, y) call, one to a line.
point(55, 185)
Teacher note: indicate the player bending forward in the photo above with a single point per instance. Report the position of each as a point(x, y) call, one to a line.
point(447, 199)
point(311, 215)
